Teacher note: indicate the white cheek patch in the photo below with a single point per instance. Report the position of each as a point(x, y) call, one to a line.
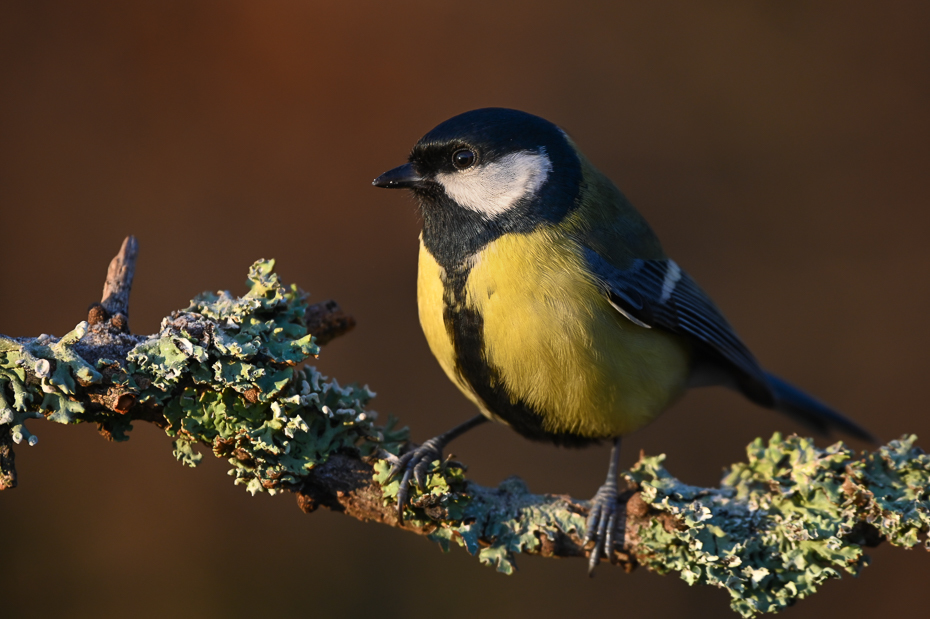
point(496, 187)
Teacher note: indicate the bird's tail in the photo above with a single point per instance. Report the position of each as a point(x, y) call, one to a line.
point(805, 409)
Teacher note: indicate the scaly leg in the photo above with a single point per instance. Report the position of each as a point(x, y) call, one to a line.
point(415, 463)
point(604, 515)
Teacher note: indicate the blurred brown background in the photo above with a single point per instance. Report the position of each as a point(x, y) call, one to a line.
point(779, 149)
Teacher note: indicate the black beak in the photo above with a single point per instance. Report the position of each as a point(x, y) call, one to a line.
point(401, 177)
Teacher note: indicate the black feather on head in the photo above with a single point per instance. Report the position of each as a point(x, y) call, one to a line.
point(452, 233)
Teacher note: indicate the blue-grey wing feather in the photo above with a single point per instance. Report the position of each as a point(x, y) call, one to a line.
point(658, 293)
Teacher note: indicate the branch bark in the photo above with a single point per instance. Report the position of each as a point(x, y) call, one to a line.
point(116, 289)
point(225, 373)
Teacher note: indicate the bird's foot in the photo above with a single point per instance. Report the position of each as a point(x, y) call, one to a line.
point(603, 522)
point(415, 464)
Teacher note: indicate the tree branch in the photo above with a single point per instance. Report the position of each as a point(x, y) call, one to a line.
point(225, 373)
point(115, 299)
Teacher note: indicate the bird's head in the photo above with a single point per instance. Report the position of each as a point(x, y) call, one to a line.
point(485, 173)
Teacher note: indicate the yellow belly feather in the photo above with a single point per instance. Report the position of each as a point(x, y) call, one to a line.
point(558, 343)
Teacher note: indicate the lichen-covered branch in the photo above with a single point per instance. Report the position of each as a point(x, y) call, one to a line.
point(226, 373)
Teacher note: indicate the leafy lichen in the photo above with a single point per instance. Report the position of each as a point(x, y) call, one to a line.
point(789, 518)
point(222, 372)
point(42, 376)
point(492, 523)
point(780, 524)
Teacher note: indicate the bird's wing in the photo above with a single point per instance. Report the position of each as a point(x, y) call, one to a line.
point(659, 294)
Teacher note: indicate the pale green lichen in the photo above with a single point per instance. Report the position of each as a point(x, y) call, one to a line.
point(492, 523)
point(780, 524)
point(42, 376)
point(789, 518)
point(890, 487)
point(222, 372)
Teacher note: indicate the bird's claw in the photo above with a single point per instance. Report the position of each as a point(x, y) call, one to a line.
point(601, 526)
point(414, 464)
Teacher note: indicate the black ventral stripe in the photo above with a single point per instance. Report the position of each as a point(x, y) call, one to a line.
point(465, 328)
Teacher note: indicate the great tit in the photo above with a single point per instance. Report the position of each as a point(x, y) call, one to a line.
point(548, 300)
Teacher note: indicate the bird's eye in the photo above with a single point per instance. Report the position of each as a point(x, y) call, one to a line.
point(463, 159)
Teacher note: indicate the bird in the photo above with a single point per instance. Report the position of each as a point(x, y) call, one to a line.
point(548, 300)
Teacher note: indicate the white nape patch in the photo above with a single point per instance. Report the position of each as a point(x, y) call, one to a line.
point(496, 187)
point(672, 275)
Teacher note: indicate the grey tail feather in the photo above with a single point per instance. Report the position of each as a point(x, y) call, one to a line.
point(813, 413)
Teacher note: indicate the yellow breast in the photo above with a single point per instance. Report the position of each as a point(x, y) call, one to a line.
point(556, 342)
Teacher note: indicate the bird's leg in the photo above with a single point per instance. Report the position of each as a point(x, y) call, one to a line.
point(605, 514)
point(415, 463)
